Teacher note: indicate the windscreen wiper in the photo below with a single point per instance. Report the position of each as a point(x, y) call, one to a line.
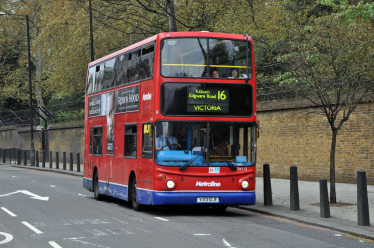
point(182, 168)
point(231, 165)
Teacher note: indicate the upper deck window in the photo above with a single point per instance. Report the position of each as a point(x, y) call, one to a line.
point(190, 57)
point(126, 68)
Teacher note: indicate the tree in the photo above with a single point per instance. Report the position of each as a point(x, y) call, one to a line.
point(331, 63)
point(34, 10)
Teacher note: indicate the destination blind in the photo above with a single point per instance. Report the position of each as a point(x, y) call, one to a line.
point(207, 100)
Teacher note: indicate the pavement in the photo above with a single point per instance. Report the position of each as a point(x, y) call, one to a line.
point(343, 215)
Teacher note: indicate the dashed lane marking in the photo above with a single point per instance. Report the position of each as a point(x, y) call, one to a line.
point(52, 186)
point(31, 227)
point(202, 234)
point(161, 219)
point(9, 212)
point(54, 244)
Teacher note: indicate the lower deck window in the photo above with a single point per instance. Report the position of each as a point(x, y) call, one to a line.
point(97, 140)
point(130, 140)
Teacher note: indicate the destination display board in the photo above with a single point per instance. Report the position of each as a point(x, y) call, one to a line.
point(207, 100)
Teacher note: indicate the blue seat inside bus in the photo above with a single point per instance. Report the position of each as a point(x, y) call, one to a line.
point(177, 156)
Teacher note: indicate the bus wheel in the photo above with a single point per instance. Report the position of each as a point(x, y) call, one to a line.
point(136, 206)
point(219, 208)
point(98, 196)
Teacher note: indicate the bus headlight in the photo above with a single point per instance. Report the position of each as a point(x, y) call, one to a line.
point(170, 184)
point(245, 184)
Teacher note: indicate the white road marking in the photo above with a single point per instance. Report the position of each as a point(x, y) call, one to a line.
point(225, 243)
point(113, 204)
point(137, 219)
point(33, 181)
point(54, 244)
point(8, 238)
point(337, 235)
point(111, 232)
point(52, 186)
point(123, 222)
point(7, 211)
point(146, 231)
point(32, 228)
point(127, 232)
point(81, 195)
point(202, 234)
point(33, 196)
point(13, 176)
point(87, 243)
point(161, 218)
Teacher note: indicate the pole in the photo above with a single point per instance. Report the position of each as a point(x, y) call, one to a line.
point(268, 198)
point(91, 33)
point(32, 150)
point(324, 199)
point(362, 199)
point(294, 189)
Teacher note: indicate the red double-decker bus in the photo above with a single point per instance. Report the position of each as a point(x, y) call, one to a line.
point(172, 120)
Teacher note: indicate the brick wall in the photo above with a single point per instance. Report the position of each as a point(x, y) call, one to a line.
point(292, 133)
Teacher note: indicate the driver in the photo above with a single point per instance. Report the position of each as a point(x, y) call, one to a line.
point(166, 142)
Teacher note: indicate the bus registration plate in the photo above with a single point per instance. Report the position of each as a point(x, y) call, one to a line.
point(207, 199)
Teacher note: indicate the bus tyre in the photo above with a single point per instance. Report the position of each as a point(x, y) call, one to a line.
point(136, 206)
point(97, 196)
point(219, 208)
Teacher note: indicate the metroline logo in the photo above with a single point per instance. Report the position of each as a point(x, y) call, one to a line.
point(209, 184)
point(147, 97)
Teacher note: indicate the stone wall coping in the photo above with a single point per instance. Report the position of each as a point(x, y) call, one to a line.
point(7, 128)
point(67, 125)
point(280, 104)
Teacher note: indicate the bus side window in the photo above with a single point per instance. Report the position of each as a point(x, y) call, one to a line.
point(130, 140)
point(147, 141)
point(97, 140)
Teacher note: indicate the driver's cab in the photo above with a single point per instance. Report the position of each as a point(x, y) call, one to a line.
point(204, 143)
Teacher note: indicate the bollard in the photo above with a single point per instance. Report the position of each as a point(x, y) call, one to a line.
point(362, 199)
point(324, 199)
point(71, 161)
point(18, 156)
point(294, 189)
point(3, 155)
point(50, 159)
point(78, 163)
point(37, 158)
point(57, 161)
point(24, 157)
point(64, 160)
point(268, 198)
point(43, 162)
point(10, 156)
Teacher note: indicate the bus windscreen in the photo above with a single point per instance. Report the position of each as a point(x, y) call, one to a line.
point(201, 57)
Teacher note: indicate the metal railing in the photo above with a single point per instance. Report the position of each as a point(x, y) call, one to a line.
point(45, 115)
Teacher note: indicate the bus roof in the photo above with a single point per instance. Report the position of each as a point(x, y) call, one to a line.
point(169, 35)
